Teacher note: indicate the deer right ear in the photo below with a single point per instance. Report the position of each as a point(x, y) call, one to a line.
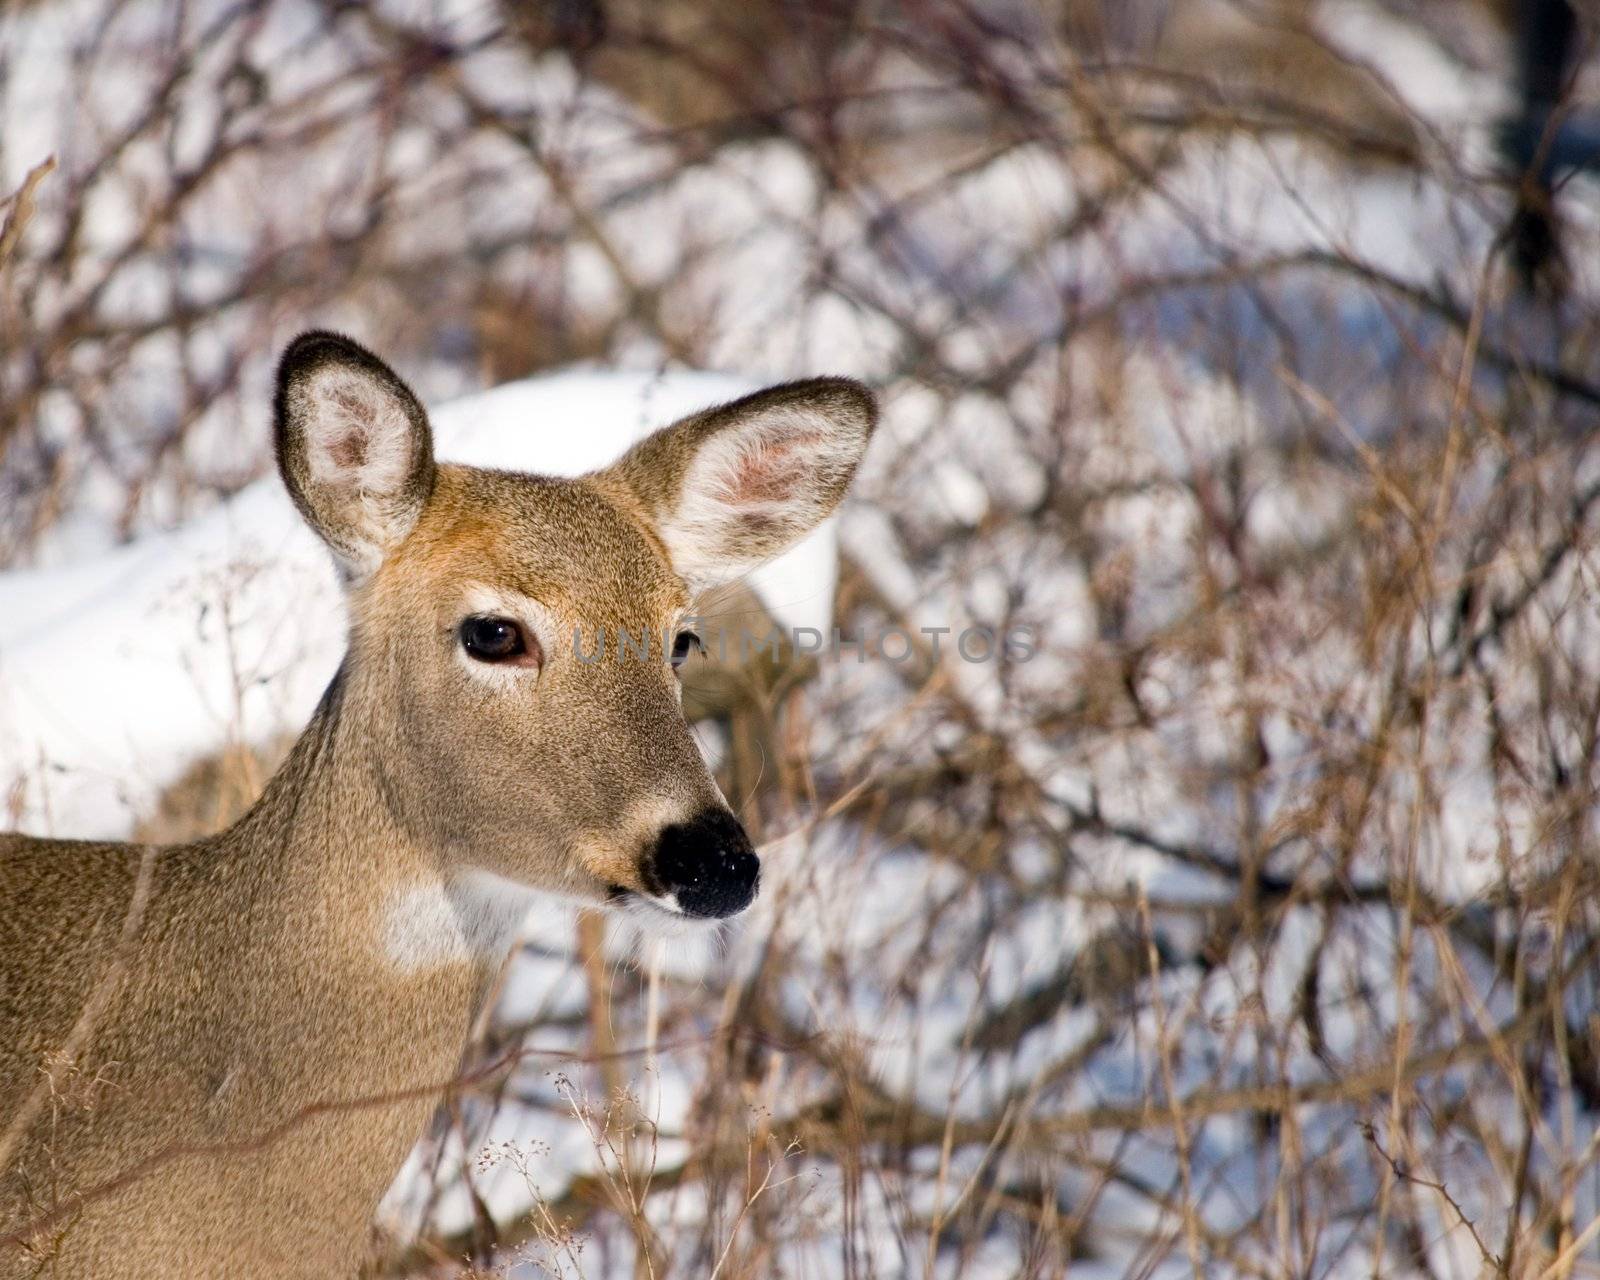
point(740, 484)
point(354, 448)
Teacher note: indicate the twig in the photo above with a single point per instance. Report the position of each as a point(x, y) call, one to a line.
point(21, 203)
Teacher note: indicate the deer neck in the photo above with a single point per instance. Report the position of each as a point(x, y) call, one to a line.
point(356, 888)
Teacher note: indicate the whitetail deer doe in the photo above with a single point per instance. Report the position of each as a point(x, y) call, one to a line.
point(214, 1056)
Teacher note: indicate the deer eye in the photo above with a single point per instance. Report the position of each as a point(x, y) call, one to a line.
point(684, 643)
point(497, 640)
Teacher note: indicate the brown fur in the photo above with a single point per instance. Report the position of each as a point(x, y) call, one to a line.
point(213, 1070)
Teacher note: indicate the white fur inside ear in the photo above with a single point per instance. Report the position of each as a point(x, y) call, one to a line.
point(754, 489)
point(358, 437)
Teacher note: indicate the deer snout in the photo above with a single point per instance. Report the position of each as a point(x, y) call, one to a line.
point(706, 864)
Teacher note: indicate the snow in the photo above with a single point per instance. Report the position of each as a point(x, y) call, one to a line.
point(118, 670)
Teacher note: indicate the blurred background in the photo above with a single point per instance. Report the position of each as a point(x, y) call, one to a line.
point(1245, 350)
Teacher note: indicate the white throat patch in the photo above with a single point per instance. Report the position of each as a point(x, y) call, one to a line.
point(466, 917)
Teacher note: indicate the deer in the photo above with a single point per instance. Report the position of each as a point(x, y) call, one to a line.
point(215, 1056)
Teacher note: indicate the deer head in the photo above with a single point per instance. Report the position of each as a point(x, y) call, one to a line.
point(511, 730)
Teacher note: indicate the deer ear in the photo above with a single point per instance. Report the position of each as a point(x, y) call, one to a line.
point(737, 485)
point(354, 448)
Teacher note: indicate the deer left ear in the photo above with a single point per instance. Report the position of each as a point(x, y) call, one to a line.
point(737, 485)
point(354, 448)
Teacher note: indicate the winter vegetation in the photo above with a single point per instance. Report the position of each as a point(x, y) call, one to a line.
point(1245, 924)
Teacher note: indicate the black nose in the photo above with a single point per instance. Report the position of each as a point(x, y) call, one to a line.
point(707, 864)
